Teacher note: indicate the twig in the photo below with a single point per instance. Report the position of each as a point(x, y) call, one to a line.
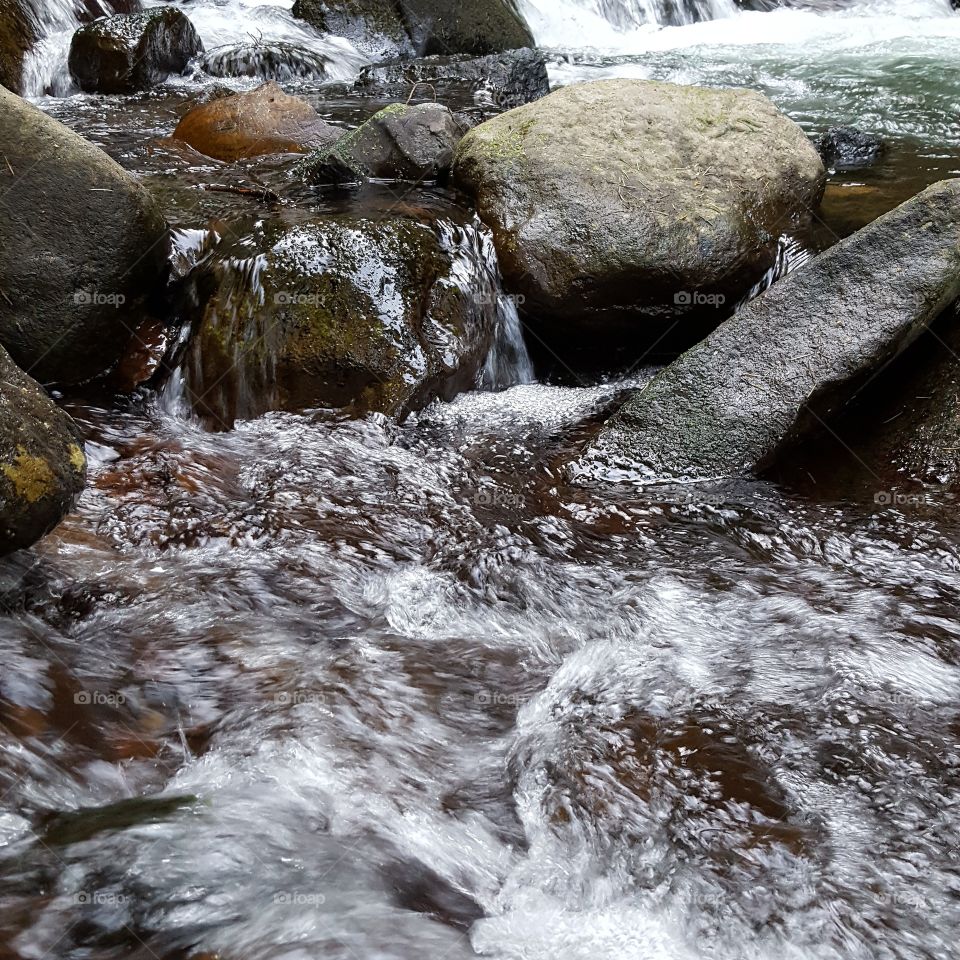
point(267, 196)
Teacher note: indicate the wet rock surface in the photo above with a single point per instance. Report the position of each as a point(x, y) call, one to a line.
point(622, 206)
point(373, 26)
point(398, 143)
point(847, 148)
point(83, 249)
point(261, 122)
point(504, 80)
point(266, 61)
point(786, 362)
point(42, 466)
point(129, 52)
point(341, 312)
point(17, 33)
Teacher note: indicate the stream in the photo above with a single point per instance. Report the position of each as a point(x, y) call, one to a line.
point(353, 689)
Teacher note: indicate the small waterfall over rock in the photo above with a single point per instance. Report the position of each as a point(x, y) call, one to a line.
point(45, 66)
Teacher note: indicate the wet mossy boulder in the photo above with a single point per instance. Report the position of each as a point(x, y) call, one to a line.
point(260, 122)
point(374, 26)
point(129, 52)
point(83, 249)
point(500, 80)
point(42, 466)
point(622, 206)
point(479, 27)
point(347, 313)
point(421, 27)
point(265, 61)
point(398, 143)
point(17, 33)
point(785, 364)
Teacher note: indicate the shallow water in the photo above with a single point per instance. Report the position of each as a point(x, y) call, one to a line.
point(317, 687)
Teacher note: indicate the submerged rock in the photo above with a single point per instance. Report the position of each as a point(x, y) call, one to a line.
point(421, 27)
point(398, 143)
point(82, 249)
point(266, 61)
point(342, 312)
point(42, 467)
point(847, 148)
point(130, 52)
point(506, 80)
point(624, 205)
point(263, 121)
point(790, 359)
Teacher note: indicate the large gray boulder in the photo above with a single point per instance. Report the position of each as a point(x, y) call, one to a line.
point(399, 142)
point(83, 247)
point(623, 205)
point(134, 51)
point(42, 467)
point(780, 368)
point(360, 314)
point(373, 26)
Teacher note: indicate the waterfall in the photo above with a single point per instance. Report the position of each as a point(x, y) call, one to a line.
point(603, 23)
point(45, 66)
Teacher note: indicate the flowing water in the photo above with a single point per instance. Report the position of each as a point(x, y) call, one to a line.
point(320, 687)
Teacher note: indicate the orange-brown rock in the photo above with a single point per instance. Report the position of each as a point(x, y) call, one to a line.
point(263, 121)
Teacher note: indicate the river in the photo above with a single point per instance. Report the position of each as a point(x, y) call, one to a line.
point(353, 689)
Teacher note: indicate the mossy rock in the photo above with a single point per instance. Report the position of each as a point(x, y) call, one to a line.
point(479, 27)
point(130, 52)
point(345, 313)
point(42, 466)
point(399, 142)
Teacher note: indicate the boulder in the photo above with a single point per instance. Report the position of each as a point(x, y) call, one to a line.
point(266, 61)
point(421, 27)
point(625, 205)
point(479, 27)
point(847, 148)
point(42, 467)
point(373, 26)
point(17, 34)
point(506, 80)
point(341, 312)
point(129, 52)
point(783, 365)
point(83, 247)
point(398, 143)
point(263, 121)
